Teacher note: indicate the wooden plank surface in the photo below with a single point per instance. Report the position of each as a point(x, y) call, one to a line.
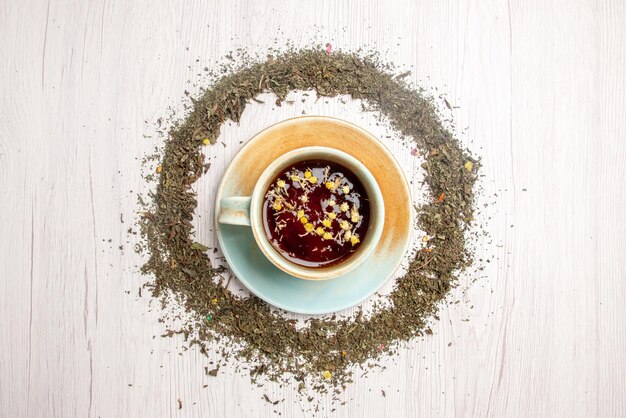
point(538, 89)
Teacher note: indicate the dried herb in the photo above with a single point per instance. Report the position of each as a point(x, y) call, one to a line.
point(326, 350)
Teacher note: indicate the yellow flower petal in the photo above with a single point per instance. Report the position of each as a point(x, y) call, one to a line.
point(469, 166)
point(307, 174)
point(332, 202)
point(319, 230)
point(300, 214)
point(308, 227)
point(344, 207)
point(206, 141)
point(332, 215)
point(304, 220)
point(327, 223)
point(354, 214)
point(313, 179)
point(327, 375)
point(345, 189)
point(327, 235)
point(354, 240)
point(280, 183)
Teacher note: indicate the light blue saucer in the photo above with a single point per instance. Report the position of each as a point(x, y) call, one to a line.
point(273, 285)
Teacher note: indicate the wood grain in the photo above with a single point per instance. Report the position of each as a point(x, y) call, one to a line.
point(537, 90)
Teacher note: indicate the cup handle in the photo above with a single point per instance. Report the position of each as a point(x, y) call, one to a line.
point(235, 210)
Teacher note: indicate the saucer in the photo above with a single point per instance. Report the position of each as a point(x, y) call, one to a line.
point(270, 283)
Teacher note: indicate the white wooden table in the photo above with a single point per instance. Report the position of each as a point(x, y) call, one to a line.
point(541, 93)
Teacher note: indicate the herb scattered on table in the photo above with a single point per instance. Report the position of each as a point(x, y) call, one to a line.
point(327, 349)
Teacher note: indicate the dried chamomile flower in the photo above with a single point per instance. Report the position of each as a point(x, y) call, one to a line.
point(354, 214)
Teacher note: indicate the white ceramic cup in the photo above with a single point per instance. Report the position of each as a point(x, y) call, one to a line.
point(248, 211)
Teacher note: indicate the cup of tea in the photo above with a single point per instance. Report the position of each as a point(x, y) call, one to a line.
point(315, 212)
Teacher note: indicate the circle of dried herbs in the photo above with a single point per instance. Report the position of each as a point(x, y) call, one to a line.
point(326, 349)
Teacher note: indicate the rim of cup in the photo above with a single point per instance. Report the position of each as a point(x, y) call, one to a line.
point(374, 197)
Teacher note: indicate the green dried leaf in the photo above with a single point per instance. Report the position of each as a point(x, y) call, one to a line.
point(198, 246)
